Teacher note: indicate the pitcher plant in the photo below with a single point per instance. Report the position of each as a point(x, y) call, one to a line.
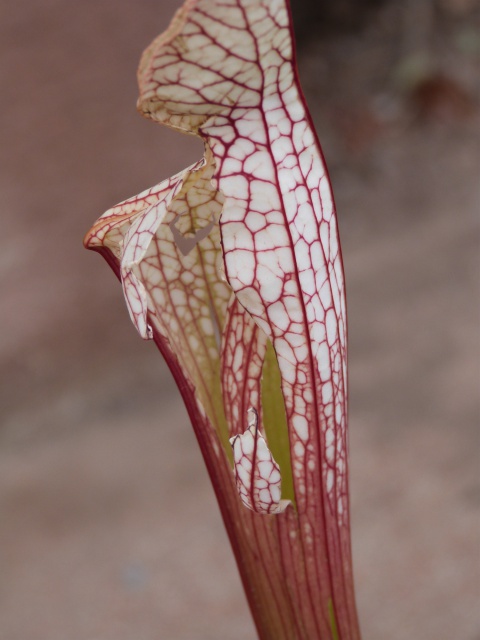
point(233, 268)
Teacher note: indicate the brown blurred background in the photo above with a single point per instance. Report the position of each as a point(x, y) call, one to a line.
point(108, 526)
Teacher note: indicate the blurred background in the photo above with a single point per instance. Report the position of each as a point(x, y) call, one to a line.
point(108, 526)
